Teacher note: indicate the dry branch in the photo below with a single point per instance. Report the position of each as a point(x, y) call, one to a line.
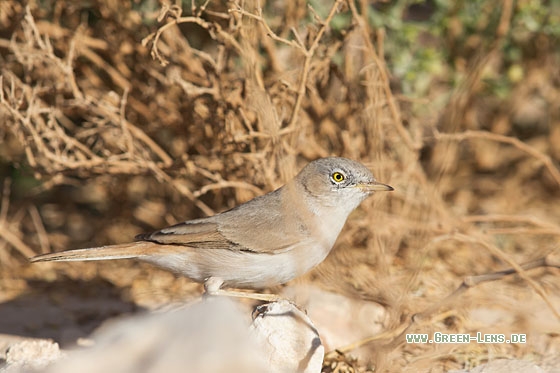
point(468, 135)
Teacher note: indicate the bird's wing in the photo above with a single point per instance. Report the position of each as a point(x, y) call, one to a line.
point(199, 233)
point(263, 225)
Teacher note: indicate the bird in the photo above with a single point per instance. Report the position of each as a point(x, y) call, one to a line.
point(259, 244)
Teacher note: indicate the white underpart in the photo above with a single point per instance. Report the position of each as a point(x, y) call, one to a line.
point(243, 269)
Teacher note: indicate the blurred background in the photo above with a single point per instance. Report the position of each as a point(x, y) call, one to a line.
point(118, 118)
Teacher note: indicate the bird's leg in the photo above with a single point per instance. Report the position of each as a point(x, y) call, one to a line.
point(212, 287)
point(244, 294)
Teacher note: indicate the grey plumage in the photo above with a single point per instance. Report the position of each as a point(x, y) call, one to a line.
point(264, 242)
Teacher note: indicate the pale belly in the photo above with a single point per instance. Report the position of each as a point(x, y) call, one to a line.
point(241, 269)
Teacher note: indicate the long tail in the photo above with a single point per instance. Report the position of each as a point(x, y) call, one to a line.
point(122, 251)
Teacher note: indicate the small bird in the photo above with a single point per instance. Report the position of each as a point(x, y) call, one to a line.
point(264, 242)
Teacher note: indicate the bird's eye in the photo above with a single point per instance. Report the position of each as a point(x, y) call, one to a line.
point(338, 177)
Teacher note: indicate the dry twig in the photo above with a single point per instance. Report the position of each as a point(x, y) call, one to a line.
point(467, 135)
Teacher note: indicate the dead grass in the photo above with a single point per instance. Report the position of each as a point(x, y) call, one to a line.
point(129, 124)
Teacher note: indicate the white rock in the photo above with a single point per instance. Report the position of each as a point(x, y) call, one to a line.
point(212, 336)
point(288, 338)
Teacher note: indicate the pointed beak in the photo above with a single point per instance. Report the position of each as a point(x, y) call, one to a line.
point(375, 187)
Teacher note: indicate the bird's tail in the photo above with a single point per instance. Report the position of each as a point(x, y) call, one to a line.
point(121, 251)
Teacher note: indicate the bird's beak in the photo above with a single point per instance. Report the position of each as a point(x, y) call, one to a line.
point(374, 186)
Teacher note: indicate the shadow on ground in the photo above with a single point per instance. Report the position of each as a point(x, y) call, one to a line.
point(64, 310)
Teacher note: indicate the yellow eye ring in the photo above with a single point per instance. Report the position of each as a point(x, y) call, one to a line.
point(338, 177)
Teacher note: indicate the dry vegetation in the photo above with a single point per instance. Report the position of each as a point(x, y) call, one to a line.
point(114, 121)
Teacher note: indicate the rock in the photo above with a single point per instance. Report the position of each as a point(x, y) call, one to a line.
point(287, 338)
point(30, 355)
point(212, 336)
